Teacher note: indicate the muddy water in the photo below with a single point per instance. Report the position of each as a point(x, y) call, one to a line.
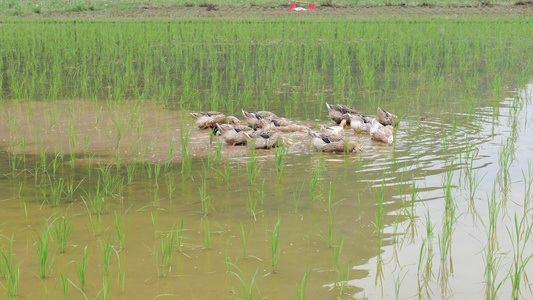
point(382, 263)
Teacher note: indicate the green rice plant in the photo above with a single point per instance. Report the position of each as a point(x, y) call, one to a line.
point(207, 233)
point(296, 195)
point(63, 278)
point(246, 289)
point(244, 237)
point(262, 193)
point(448, 185)
point(107, 248)
point(71, 188)
point(251, 202)
point(130, 172)
point(520, 236)
point(170, 153)
point(274, 243)
point(252, 168)
point(166, 242)
point(97, 207)
point(179, 237)
point(62, 230)
point(227, 174)
point(56, 191)
point(528, 183)
point(42, 247)
point(227, 260)
point(207, 166)
point(218, 151)
point(205, 200)
point(157, 171)
point(111, 183)
point(331, 237)
point(120, 233)
point(300, 289)
point(121, 277)
point(170, 181)
point(82, 267)
point(492, 259)
point(312, 185)
point(186, 162)
point(9, 269)
point(279, 157)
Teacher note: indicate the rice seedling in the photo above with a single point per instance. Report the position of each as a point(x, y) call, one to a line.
point(252, 168)
point(166, 243)
point(296, 195)
point(42, 250)
point(56, 191)
point(63, 278)
point(62, 230)
point(247, 287)
point(312, 184)
point(207, 233)
point(279, 157)
point(121, 277)
point(120, 233)
point(179, 237)
point(130, 172)
point(300, 290)
point(82, 267)
point(107, 247)
point(244, 237)
point(9, 269)
point(227, 174)
point(492, 259)
point(331, 237)
point(274, 243)
point(170, 181)
point(520, 236)
point(97, 206)
point(205, 200)
point(186, 162)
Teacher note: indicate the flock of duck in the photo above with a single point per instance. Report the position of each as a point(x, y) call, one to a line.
point(264, 129)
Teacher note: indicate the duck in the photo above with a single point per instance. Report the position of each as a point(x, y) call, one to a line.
point(325, 144)
point(339, 112)
point(360, 124)
point(233, 135)
point(382, 133)
point(386, 118)
point(254, 119)
point(209, 119)
point(336, 132)
point(267, 140)
point(283, 126)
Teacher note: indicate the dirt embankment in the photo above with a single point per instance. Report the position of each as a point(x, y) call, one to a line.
point(273, 12)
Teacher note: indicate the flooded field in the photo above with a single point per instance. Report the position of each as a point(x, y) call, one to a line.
point(109, 191)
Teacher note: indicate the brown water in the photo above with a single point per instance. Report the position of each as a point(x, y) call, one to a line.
point(423, 152)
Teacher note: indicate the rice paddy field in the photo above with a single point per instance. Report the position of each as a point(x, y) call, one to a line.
point(109, 191)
